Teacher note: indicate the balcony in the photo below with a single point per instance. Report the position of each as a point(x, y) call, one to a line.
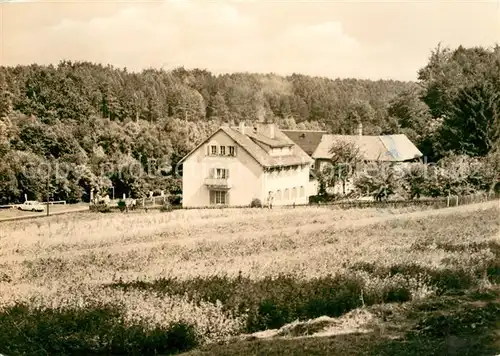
point(218, 183)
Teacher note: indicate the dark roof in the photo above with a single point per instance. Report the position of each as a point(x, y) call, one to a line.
point(307, 140)
point(392, 148)
point(247, 142)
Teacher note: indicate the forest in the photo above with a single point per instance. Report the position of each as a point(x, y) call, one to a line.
point(68, 128)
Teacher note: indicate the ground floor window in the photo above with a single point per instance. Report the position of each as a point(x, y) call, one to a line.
point(218, 197)
point(286, 195)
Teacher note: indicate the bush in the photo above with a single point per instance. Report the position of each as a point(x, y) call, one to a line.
point(100, 208)
point(270, 302)
point(122, 205)
point(175, 199)
point(256, 203)
point(101, 330)
point(323, 198)
point(444, 280)
point(166, 207)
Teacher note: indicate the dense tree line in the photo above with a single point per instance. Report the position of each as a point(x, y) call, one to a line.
point(75, 120)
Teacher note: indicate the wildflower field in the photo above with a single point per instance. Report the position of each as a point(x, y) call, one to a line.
point(303, 281)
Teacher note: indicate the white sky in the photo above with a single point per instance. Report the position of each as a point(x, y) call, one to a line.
point(370, 39)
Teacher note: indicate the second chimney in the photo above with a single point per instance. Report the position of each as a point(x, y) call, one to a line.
point(242, 127)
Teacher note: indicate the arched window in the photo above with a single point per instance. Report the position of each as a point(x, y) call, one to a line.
point(278, 195)
point(286, 196)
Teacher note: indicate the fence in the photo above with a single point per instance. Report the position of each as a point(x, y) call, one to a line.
point(151, 202)
point(63, 202)
point(142, 202)
point(436, 203)
point(442, 202)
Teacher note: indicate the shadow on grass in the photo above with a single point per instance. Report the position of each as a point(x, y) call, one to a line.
point(466, 326)
point(99, 330)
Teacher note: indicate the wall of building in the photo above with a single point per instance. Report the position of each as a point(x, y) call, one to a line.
point(281, 182)
point(245, 174)
point(339, 189)
point(320, 163)
point(313, 187)
point(282, 151)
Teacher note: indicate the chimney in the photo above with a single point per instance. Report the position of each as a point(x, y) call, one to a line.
point(242, 127)
point(360, 129)
point(267, 129)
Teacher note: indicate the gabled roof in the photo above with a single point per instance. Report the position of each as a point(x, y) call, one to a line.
point(306, 139)
point(389, 148)
point(247, 142)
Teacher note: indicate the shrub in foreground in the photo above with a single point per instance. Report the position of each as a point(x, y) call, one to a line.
point(444, 280)
point(92, 331)
point(274, 302)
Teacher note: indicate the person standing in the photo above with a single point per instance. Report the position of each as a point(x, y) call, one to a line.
point(270, 199)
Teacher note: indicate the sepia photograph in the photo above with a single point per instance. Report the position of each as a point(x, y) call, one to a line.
point(250, 177)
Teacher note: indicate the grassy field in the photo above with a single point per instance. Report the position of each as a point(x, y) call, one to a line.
point(310, 280)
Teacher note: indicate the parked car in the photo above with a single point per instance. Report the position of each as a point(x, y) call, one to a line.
point(31, 205)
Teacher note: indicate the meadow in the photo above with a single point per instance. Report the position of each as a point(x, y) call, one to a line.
point(253, 281)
